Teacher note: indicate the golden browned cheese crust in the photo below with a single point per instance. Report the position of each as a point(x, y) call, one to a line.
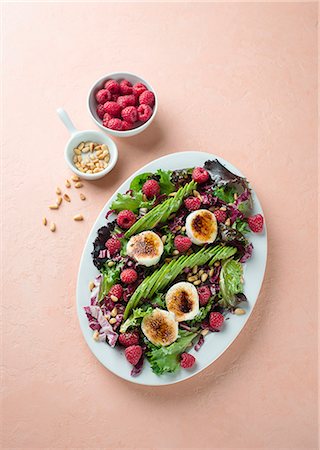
point(146, 245)
point(159, 329)
point(203, 226)
point(180, 303)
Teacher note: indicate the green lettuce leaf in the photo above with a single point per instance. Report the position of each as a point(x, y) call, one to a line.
point(166, 186)
point(225, 193)
point(127, 201)
point(135, 318)
point(202, 314)
point(110, 276)
point(167, 359)
point(231, 282)
point(241, 226)
point(138, 181)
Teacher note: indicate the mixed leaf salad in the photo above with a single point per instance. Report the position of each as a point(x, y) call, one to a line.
point(170, 258)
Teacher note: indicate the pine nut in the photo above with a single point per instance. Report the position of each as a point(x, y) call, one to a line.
point(104, 147)
point(78, 217)
point(112, 321)
point(110, 263)
point(80, 146)
point(75, 178)
point(183, 229)
point(114, 312)
point(78, 185)
point(96, 170)
point(239, 311)
point(82, 196)
point(195, 269)
point(86, 150)
point(164, 238)
point(52, 227)
point(204, 277)
point(173, 194)
point(223, 208)
point(77, 151)
point(96, 335)
point(68, 185)
point(91, 285)
point(235, 196)
point(67, 198)
point(91, 146)
point(89, 171)
point(114, 298)
point(197, 194)
point(75, 159)
point(178, 228)
point(211, 272)
point(228, 222)
point(197, 282)
point(58, 191)
point(53, 206)
point(107, 158)
point(192, 278)
point(44, 221)
point(217, 263)
point(79, 159)
point(201, 271)
point(175, 252)
point(204, 332)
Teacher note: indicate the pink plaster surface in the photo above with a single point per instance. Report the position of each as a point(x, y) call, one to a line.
point(235, 79)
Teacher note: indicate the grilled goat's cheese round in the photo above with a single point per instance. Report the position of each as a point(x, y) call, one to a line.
point(146, 248)
point(160, 327)
point(183, 301)
point(201, 227)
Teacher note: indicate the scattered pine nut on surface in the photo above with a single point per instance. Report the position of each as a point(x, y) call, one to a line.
point(58, 191)
point(75, 178)
point(44, 221)
point(53, 206)
point(82, 196)
point(59, 200)
point(78, 217)
point(91, 285)
point(67, 198)
point(68, 184)
point(53, 227)
point(78, 184)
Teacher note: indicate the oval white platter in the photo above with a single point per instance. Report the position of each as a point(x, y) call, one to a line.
point(215, 343)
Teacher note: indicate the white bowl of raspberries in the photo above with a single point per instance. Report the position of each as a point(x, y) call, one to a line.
point(122, 104)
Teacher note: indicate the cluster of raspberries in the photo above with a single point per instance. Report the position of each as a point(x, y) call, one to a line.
point(123, 106)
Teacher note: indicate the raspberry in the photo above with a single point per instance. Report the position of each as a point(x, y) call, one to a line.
point(182, 243)
point(100, 111)
point(151, 188)
point(256, 223)
point(146, 98)
point(128, 276)
point(103, 96)
point(144, 112)
point(138, 88)
point(113, 108)
point(187, 360)
point(112, 86)
point(126, 100)
point(133, 354)
point(115, 124)
point(130, 114)
point(113, 245)
point(216, 320)
point(221, 216)
point(126, 87)
point(116, 290)
point(129, 338)
point(126, 125)
point(114, 97)
point(126, 219)
point(192, 203)
point(106, 119)
point(200, 175)
point(204, 295)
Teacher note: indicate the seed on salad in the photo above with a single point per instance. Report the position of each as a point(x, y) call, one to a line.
point(175, 252)
point(53, 206)
point(112, 321)
point(78, 185)
point(192, 278)
point(173, 194)
point(228, 222)
point(197, 282)
point(178, 228)
point(96, 335)
point(201, 271)
point(59, 200)
point(183, 229)
point(164, 238)
point(91, 285)
point(75, 178)
point(114, 312)
point(111, 263)
point(52, 227)
point(211, 272)
point(167, 260)
point(239, 311)
point(235, 196)
point(204, 277)
point(82, 196)
point(67, 198)
point(204, 332)
point(44, 221)
point(58, 191)
point(78, 217)
point(196, 194)
point(195, 269)
point(217, 263)
point(68, 184)
point(114, 298)
point(223, 208)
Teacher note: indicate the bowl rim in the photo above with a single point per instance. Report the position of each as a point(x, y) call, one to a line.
point(102, 173)
point(133, 131)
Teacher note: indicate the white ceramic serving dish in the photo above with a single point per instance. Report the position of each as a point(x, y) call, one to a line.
point(215, 343)
point(82, 136)
point(92, 103)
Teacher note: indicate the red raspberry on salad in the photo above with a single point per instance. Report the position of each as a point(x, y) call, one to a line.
point(113, 108)
point(103, 96)
point(115, 124)
point(129, 338)
point(204, 295)
point(116, 290)
point(138, 88)
point(126, 219)
point(221, 216)
point(128, 276)
point(182, 243)
point(113, 245)
point(256, 223)
point(144, 112)
point(126, 100)
point(187, 360)
point(151, 188)
point(126, 87)
point(133, 354)
point(112, 86)
point(106, 119)
point(216, 320)
point(130, 114)
point(192, 203)
point(146, 98)
point(200, 175)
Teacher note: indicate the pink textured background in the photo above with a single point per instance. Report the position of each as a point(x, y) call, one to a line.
point(235, 79)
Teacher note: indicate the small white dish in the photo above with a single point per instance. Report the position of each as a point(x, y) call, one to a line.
point(87, 135)
point(92, 103)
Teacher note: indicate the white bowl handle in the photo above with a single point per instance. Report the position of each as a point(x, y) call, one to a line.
point(66, 120)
